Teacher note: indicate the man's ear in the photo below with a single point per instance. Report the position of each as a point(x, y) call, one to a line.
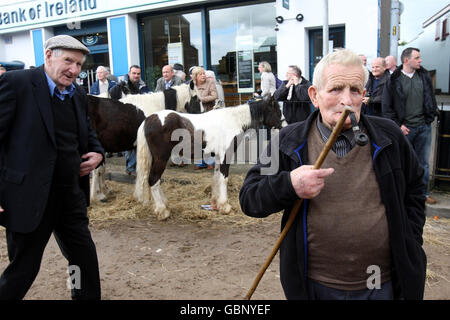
point(47, 54)
point(313, 92)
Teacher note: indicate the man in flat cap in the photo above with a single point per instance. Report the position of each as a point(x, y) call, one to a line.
point(47, 150)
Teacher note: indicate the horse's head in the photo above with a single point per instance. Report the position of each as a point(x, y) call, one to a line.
point(194, 103)
point(124, 88)
point(119, 91)
point(271, 113)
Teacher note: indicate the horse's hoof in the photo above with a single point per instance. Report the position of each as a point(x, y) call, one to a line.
point(163, 215)
point(99, 199)
point(224, 208)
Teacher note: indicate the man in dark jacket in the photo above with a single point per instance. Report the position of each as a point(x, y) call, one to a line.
point(47, 150)
point(133, 84)
point(409, 100)
point(103, 84)
point(344, 243)
point(294, 94)
point(374, 88)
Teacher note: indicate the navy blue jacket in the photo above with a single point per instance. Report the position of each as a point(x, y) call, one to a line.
point(399, 176)
point(28, 146)
point(95, 89)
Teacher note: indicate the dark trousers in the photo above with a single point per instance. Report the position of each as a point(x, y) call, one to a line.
point(420, 138)
point(66, 217)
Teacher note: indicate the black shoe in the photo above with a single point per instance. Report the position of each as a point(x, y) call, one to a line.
point(109, 155)
point(131, 173)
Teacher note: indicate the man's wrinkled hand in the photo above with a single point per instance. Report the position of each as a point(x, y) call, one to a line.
point(92, 160)
point(308, 182)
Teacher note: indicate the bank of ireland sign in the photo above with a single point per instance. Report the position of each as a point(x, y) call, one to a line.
point(34, 14)
point(26, 13)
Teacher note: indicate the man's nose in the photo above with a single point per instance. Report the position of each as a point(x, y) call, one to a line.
point(75, 69)
point(346, 97)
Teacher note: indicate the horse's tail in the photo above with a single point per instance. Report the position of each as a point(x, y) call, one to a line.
point(143, 166)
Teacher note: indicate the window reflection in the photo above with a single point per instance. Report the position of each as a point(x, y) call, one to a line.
point(230, 30)
point(182, 31)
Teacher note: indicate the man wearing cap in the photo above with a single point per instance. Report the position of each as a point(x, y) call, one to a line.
point(47, 150)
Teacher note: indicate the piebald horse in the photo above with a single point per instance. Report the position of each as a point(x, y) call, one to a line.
point(116, 122)
point(217, 129)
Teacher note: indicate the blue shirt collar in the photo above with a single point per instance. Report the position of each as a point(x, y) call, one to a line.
point(70, 90)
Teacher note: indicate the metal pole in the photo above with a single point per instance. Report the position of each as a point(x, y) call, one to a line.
point(325, 48)
point(395, 28)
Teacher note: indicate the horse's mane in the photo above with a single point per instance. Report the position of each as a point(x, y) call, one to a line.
point(153, 102)
point(149, 103)
point(103, 95)
point(257, 113)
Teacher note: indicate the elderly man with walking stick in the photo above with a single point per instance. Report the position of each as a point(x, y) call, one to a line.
point(357, 232)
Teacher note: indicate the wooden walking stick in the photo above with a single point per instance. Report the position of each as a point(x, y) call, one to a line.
point(337, 129)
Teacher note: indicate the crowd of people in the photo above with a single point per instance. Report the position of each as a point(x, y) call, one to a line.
point(401, 93)
point(47, 153)
point(209, 89)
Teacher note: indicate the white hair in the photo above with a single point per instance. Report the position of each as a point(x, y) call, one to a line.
point(102, 68)
point(210, 74)
point(343, 57)
point(57, 52)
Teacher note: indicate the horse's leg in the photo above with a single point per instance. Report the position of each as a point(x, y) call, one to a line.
point(214, 185)
point(154, 180)
point(143, 165)
point(98, 185)
point(221, 184)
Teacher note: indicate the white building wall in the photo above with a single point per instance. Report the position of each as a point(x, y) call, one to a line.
point(133, 40)
point(20, 49)
point(435, 55)
point(360, 19)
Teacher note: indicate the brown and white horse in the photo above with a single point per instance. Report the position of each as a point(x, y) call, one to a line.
point(217, 130)
point(116, 122)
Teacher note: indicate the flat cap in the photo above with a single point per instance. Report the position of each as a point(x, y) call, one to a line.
point(66, 42)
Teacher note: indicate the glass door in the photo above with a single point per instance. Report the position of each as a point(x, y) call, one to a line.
point(336, 40)
point(171, 38)
point(240, 38)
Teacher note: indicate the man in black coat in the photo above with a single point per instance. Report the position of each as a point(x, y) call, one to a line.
point(358, 232)
point(294, 94)
point(374, 87)
point(47, 150)
point(408, 99)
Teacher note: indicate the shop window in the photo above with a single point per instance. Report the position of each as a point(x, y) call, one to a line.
point(444, 28)
point(240, 38)
point(437, 35)
point(169, 39)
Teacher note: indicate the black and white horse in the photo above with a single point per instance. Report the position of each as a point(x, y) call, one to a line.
point(217, 130)
point(116, 122)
